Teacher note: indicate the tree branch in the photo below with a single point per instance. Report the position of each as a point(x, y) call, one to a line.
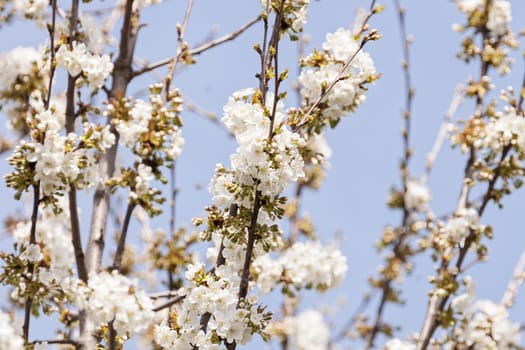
point(31, 267)
point(122, 75)
point(200, 49)
point(169, 303)
point(306, 118)
point(117, 261)
point(517, 279)
point(386, 288)
point(442, 133)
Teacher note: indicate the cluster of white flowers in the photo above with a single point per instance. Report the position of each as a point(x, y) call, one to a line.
point(299, 265)
point(140, 4)
point(348, 93)
point(499, 17)
point(9, 337)
point(58, 162)
point(94, 36)
point(458, 228)
point(217, 296)
point(300, 15)
point(507, 128)
point(482, 324)
point(20, 61)
point(299, 12)
point(317, 145)
point(140, 116)
point(131, 130)
point(31, 8)
point(53, 242)
point(417, 195)
point(305, 331)
point(112, 297)
point(499, 13)
point(271, 166)
point(96, 68)
point(144, 176)
point(396, 344)
point(32, 253)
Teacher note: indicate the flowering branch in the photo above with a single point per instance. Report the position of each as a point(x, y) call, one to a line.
point(372, 35)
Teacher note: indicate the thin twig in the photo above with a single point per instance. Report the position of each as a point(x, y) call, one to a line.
point(165, 294)
point(55, 341)
point(117, 261)
point(518, 276)
point(201, 48)
point(519, 108)
point(442, 133)
point(169, 303)
point(52, 52)
point(181, 31)
point(31, 267)
point(386, 288)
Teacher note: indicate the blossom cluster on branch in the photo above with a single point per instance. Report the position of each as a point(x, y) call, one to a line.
point(76, 131)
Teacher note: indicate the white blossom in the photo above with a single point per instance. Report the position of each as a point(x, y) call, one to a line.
point(417, 195)
point(19, 61)
point(130, 130)
point(32, 253)
point(458, 228)
point(274, 163)
point(31, 8)
point(499, 17)
point(307, 330)
point(9, 337)
point(96, 67)
point(482, 324)
point(55, 242)
point(348, 93)
point(41, 346)
point(507, 128)
point(94, 35)
point(396, 344)
point(112, 297)
point(299, 265)
point(499, 14)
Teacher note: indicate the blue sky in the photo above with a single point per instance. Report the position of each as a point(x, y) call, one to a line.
point(366, 145)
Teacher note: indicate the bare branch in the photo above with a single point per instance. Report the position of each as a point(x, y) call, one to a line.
point(169, 303)
point(202, 48)
point(31, 267)
point(517, 279)
point(165, 294)
point(386, 287)
point(181, 31)
point(442, 133)
point(56, 341)
point(117, 261)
